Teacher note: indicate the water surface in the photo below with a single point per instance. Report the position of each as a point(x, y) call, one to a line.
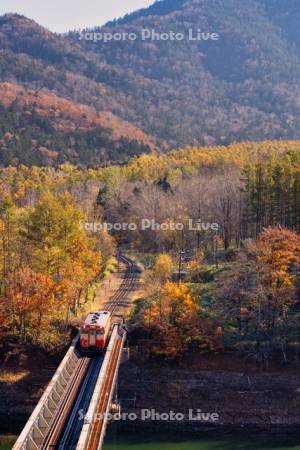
point(7, 442)
point(232, 441)
point(239, 441)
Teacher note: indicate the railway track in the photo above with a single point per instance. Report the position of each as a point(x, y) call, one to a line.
point(103, 403)
point(66, 426)
point(126, 286)
point(73, 426)
point(65, 406)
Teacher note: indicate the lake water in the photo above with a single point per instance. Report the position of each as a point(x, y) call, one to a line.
point(229, 442)
point(6, 442)
point(236, 441)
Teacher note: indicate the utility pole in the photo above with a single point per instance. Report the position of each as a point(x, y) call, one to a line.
point(118, 258)
point(215, 238)
point(181, 260)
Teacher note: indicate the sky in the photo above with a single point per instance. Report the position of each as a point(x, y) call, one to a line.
point(64, 15)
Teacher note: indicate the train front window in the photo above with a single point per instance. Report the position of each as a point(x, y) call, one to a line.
point(100, 332)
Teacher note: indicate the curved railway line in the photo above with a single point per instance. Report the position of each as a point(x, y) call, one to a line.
point(66, 426)
point(126, 286)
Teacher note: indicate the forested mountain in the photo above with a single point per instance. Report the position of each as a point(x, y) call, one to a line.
point(245, 85)
point(43, 129)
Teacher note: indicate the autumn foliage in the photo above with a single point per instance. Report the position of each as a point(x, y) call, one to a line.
point(30, 304)
point(258, 297)
point(47, 263)
point(177, 323)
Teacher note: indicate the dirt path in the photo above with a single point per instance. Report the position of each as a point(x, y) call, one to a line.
point(104, 291)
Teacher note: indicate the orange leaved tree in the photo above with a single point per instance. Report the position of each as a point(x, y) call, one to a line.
point(178, 323)
point(256, 297)
point(29, 304)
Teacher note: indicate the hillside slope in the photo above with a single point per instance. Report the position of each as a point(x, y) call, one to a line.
point(38, 127)
point(243, 86)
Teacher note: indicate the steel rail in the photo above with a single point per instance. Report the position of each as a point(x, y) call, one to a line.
point(126, 285)
point(96, 431)
point(74, 423)
point(57, 423)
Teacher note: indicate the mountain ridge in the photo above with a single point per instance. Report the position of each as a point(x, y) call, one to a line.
point(245, 86)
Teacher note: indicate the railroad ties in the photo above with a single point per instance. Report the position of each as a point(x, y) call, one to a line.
point(73, 411)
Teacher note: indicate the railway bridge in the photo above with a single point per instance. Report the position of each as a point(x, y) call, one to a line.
point(74, 410)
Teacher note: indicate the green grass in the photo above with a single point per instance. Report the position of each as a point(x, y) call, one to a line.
point(205, 288)
point(91, 291)
point(111, 268)
point(204, 291)
point(208, 272)
point(147, 259)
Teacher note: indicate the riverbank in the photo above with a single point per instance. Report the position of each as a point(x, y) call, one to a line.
point(240, 397)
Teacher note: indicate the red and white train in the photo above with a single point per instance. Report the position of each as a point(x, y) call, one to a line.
point(94, 331)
